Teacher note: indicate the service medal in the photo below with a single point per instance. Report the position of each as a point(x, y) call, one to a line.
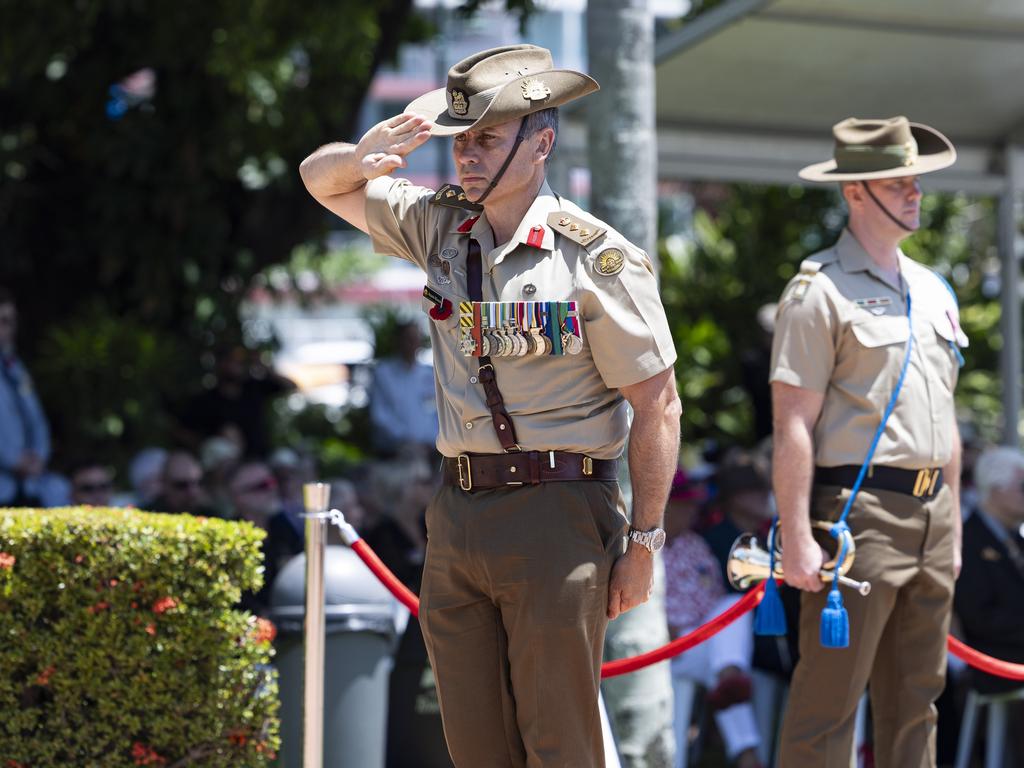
point(572, 343)
point(485, 344)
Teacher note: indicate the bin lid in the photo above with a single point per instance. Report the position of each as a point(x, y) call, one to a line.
point(349, 586)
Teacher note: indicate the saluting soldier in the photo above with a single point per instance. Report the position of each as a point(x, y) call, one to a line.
point(861, 329)
point(546, 326)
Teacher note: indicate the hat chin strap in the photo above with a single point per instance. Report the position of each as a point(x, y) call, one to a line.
point(884, 210)
point(520, 138)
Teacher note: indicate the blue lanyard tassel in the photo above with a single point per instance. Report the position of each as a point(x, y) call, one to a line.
point(835, 621)
point(770, 618)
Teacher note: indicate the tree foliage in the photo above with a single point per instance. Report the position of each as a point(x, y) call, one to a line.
point(125, 232)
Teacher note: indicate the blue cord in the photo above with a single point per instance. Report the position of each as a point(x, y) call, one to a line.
point(835, 626)
point(881, 427)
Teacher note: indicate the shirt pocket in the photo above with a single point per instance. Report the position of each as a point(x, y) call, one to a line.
point(881, 347)
point(444, 336)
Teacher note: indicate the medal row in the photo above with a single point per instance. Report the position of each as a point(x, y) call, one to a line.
point(519, 328)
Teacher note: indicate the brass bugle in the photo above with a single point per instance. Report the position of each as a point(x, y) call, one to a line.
point(750, 563)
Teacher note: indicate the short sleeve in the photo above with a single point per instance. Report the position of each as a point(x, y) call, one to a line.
point(623, 318)
point(399, 217)
point(803, 346)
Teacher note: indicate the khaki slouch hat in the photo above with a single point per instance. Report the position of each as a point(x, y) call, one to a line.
point(498, 85)
point(882, 149)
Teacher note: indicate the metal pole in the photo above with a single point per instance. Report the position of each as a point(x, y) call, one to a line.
point(1010, 355)
point(317, 497)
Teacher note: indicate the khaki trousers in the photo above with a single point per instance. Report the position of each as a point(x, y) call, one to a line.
point(513, 611)
point(897, 636)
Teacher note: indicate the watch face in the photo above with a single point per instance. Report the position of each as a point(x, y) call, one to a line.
point(657, 539)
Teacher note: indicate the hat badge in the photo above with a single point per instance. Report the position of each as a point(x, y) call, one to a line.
point(460, 102)
point(535, 90)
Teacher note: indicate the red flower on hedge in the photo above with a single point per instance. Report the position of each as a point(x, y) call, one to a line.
point(146, 755)
point(151, 629)
point(164, 604)
point(265, 631)
point(238, 737)
point(7, 560)
point(45, 675)
point(100, 606)
point(11, 763)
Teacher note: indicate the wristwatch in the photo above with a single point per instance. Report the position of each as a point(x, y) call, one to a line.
point(652, 540)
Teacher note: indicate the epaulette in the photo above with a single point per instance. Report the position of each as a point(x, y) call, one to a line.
point(808, 269)
point(452, 196)
point(575, 228)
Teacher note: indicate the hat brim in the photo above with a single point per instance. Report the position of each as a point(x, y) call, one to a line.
point(508, 103)
point(934, 152)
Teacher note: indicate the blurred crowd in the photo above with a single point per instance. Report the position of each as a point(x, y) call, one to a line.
point(728, 692)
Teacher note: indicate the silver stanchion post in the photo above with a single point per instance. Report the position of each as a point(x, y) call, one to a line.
point(317, 497)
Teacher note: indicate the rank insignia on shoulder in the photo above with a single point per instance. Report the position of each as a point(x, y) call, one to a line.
point(578, 230)
point(452, 196)
point(799, 290)
point(609, 262)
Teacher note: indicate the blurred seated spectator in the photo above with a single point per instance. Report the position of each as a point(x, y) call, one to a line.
point(695, 593)
point(145, 473)
point(92, 484)
point(181, 484)
point(988, 598)
point(744, 501)
point(218, 456)
point(236, 406)
point(293, 470)
point(402, 489)
point(253, 492)
point(403, 406)
point(24, 429)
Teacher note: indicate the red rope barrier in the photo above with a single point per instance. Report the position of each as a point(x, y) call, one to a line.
point(746, 603)
point(387, 578)
point(979, 660)
point(609, 668)
point(687, 641)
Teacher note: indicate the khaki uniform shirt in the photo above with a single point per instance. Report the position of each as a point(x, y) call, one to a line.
point(557, 402)
point(842, 330)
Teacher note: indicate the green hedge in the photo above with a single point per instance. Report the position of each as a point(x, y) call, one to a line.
point(120, 644)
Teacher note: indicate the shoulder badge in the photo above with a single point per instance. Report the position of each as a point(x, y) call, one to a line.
point(452, 196)
point(802, 282)
point(582, 232)
point(610, 261)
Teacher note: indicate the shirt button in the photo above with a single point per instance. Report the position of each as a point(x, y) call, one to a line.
point(469, 425)
point(472, 379)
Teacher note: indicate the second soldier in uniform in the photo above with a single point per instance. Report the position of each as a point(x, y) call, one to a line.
point(546, 326)
point(846, 324)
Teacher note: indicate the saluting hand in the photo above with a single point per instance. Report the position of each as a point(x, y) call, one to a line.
point(384, 147)
point(631, 581)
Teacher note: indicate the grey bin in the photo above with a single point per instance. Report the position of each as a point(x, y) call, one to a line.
point(360, 628)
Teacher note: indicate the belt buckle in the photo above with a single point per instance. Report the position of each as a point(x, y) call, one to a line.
point(924, 484)
point(588, 466)
point(465, 480)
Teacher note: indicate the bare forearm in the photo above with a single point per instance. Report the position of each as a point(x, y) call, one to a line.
point(792, 475)
point(653, 455)
point(332, 170)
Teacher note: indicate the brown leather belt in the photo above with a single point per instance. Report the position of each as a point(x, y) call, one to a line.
point(482, 471)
